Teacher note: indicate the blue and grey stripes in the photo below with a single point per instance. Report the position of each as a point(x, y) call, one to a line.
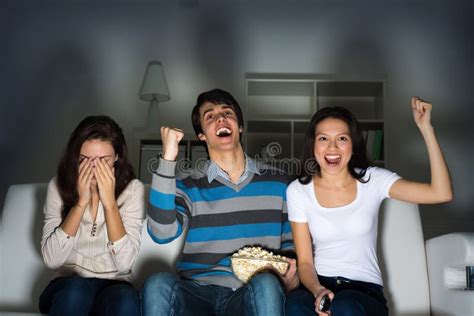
point(219, 217)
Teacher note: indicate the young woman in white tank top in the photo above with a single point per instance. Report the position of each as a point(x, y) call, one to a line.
point(333, 209)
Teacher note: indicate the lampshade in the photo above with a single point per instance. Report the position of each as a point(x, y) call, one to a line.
point(154, 83)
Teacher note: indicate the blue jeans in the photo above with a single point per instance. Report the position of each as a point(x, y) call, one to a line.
point(75, 295)
point(167, 294)
point(351, 298)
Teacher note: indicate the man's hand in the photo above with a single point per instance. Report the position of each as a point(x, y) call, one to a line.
point(171, 137)
point(291, 279)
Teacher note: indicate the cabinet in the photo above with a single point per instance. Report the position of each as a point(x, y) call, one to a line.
point(279, 106)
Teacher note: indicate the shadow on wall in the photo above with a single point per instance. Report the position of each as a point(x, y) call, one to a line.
point(359, 56)
point(59, 93)
point(217, 50)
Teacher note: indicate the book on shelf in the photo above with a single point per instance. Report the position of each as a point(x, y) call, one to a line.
point(374, 143)
point(377, 147)
point(364, 135)
point(370, 141)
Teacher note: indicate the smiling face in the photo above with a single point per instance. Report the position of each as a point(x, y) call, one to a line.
point(220, 126)
point(333, 146)
point(98, 149)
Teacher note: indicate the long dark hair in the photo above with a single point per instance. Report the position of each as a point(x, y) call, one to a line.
point(359, 161)
point(102, 128)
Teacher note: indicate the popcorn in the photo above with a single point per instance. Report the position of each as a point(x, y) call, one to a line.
point(250, 260)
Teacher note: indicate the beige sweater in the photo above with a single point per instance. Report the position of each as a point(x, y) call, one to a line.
point(90, 254)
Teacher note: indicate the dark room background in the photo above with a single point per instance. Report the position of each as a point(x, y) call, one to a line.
point(63, 60)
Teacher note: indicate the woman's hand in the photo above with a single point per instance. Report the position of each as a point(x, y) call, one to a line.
point(105, 177)
point(318, 297)
point(71, 223)
point(84, 182)
point(421, 112)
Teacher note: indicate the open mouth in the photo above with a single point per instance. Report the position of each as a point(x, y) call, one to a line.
point(332, 160)
point(223, 132)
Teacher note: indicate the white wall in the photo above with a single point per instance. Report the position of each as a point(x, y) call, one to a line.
point(62, 61)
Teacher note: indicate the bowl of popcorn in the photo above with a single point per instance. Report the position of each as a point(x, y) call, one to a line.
point(250, 260)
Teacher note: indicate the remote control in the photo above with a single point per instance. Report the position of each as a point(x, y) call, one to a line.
point(325, 304)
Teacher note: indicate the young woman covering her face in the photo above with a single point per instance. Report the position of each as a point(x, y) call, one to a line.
point(94, 212)
point(333, 209)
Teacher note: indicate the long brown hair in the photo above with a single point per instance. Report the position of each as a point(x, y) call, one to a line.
point(100, 127)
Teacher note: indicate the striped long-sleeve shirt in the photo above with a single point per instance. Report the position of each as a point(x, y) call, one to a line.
point(220, 217)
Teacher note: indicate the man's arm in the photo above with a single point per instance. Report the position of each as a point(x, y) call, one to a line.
point(167, 207)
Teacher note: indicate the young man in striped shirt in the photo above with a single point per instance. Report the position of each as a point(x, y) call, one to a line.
point(231, 202)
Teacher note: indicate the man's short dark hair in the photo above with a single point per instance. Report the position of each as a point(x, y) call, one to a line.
point(215, 96)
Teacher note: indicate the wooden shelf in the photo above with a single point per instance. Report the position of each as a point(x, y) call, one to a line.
point(279, 108)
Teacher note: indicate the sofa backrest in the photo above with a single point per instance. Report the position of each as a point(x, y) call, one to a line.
point(23, 274)
point(402, 259)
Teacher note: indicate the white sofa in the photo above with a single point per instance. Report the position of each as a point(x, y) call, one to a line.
point(402, 257)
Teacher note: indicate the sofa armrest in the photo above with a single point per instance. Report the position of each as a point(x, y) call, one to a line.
point(23, 274)
point(447, 257)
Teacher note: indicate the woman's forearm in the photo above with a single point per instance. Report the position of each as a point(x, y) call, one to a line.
point(440, 178)
point(113, 220)
point(309, 278)
point(70, 224)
